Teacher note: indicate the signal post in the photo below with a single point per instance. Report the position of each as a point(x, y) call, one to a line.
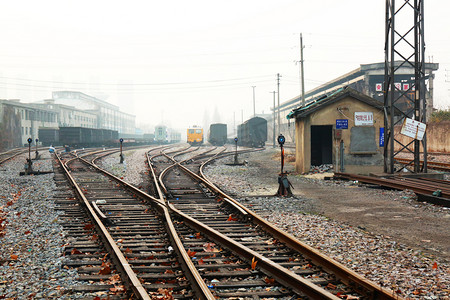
point(284, 186)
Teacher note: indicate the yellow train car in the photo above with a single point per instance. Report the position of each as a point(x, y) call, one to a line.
point(195, 135)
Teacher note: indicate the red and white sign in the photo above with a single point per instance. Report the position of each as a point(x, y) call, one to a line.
point(363, 118)
point(379, 87)
point(406, 86)
point(398, 86)
point(414, 129)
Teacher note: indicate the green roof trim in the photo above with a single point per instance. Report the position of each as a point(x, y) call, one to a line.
point(330, 98)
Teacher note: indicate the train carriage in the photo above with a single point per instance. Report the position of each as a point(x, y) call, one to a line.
point(87, 137)
point(217, 134)
point(253, 132)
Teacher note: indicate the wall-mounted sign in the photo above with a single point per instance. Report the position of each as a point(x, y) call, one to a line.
point(414, 129)
point(406, 86)
point(341, 124)
point(363, 118)
point(381, 137)
point(379, 87)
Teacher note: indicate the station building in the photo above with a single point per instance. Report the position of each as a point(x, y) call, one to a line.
point(344, 128)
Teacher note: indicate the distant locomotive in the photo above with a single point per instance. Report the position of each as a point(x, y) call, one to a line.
point(217, 134)
point(195, 135)
point(253, 132)
point(161, 134)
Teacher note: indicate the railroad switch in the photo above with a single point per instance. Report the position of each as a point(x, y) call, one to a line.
point(284, 186)
point(28, 167)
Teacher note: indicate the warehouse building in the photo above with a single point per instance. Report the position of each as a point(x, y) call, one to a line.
point(20, 121)
point(108, 116)
point(344, 128)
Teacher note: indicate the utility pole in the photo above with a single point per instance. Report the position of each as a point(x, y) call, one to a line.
point(278, 92)
point(273, 118)
point(254, 110)
point(407, 44)
point(234, 122)
point(302, 73)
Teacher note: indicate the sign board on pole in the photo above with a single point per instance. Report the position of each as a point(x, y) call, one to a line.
point(363, 118)
point(381, 136)
point(341, 124)
point(414, 129)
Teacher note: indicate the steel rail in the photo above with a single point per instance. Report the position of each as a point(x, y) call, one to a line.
point(431, 164)
point(395, 184)
point(128, 275)
point(278, 272)
point(283, 275)
point(13, 155)
point(190, 271)
point(155, 179)
point(345, 274)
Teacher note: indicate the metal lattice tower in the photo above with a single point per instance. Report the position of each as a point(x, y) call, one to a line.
point(404, 47)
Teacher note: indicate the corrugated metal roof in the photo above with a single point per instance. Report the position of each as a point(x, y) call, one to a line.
point(331, 98)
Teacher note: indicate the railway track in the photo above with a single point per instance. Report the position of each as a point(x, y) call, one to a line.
point(441, 166)
point(431, 190)
point(144, 257)
point(5, 156)
point(187, 240)
point(254, 257)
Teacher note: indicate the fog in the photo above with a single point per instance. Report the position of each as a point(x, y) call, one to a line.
point(184, 63)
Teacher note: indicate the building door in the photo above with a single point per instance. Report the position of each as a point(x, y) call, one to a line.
point(321, 145)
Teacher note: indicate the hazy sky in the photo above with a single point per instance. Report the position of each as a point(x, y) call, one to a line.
point(187, 62)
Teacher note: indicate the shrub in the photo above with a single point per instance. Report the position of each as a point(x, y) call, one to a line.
point(440, 115)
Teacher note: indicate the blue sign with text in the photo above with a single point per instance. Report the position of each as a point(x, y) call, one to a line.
point(341, 124)
point(382, 137)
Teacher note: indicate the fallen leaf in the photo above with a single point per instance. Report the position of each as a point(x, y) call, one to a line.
point(269, 280)
point(230, 218)
point(331, 286)
point(75, 251)
point(88, 226)
point(208, 247)
point(191, 253)
point(105, 270)
point(254, 262)
point(435, 266)
point(14, 256)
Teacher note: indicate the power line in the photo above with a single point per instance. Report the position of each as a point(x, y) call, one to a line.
point(136, 84)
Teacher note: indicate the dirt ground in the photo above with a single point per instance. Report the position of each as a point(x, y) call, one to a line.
point(390, 213)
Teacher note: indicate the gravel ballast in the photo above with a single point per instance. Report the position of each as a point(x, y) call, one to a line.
point(31, 238)
point(365, 229)
point(343, 220)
